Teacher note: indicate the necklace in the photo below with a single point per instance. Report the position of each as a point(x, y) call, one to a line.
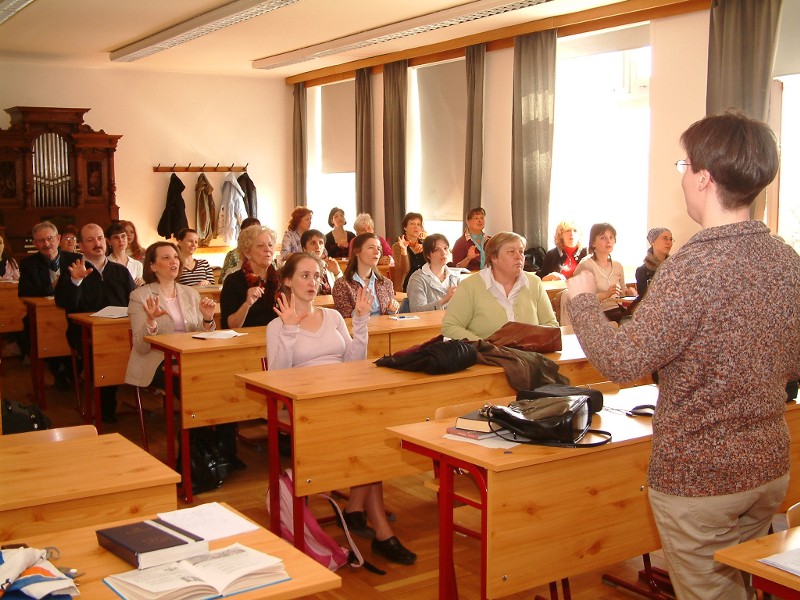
point(606, 272)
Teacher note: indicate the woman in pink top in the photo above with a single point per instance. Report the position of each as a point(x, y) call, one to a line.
point(307, 335)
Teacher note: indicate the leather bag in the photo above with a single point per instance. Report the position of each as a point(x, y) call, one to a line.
point(532, 338)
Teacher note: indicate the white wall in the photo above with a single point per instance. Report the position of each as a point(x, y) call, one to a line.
point(172, 118)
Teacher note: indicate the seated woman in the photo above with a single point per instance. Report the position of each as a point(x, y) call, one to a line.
point(117, 241)
point(69, 239)
point(134, 249)
point(313, 242)
point(308, 335)
point(232, 260)
point(434, 284)
point(365, 224)
point(560, 262)
point(163, 306)
point(195, 271)
point(361, 273)
point(299, 223)
point(248, 295)
point(660, 239)
point(468, 251)
point(337, 240)
point(499, 293)
point(608, 274)
point(407, 250)
point(9, 269)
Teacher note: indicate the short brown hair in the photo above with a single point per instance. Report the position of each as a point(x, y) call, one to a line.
point(429, 244)
point(150, 258)
point(739, 153)
point(408, 217)
point(600, 229)
point(333, 212)
point(497, 241)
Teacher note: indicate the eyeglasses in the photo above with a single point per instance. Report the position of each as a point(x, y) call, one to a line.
point(45, 240)
point(681, 165)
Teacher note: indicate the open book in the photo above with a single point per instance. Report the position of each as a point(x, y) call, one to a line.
point(223, 572)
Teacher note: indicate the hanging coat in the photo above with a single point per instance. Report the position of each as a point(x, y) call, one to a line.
point(231, 210)
point(250, 197)
point(206, 211)
point(174, 217)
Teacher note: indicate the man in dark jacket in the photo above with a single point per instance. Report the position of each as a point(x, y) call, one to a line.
point(38, 274)
point(91, 283)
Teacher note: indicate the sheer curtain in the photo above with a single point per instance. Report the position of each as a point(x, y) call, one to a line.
point(299, 124)
point(364, 200)
point(532, 134)
point(741, 53)
point(395, 89)
point(473, 168)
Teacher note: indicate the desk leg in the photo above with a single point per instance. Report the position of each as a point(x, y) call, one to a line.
point(776, 589)
point(447, 576)
point(37, 368)
point(274, 464)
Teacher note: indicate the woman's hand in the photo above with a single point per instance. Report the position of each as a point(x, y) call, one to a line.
point(364, 300)
point(253, 294)
point(139, 282)
point(287, 312)
point(554, 277)
point(446, 298)
point(582, 283)
point(153, 310)
point(204, 282)
point(403, 244)
point(333, 266)
point(472, 254)
point(207, 307)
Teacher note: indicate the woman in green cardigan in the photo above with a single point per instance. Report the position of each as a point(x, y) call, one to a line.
point(499, 293)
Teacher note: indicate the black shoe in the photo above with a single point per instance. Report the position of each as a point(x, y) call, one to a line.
point(357, 523)
point(394, 551)
point(237, 464)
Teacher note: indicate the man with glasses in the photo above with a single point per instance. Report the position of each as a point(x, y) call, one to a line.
point(90, 283)
point(38, 274)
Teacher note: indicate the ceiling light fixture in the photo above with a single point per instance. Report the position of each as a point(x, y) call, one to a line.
point(8, 8)
point(402, 29)
point(201, 25)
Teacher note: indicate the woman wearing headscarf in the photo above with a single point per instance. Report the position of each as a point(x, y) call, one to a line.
point(660, 240)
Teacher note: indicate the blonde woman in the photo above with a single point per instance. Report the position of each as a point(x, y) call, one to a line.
point(560, 262)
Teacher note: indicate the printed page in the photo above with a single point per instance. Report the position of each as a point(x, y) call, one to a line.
point(786, 561)
point(490, 442)
point(237, 567)
point(160, 580)
point(210, 521)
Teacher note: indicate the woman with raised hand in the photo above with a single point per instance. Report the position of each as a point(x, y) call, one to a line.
point(361, 272)
point(307, 335)
point(468, 251)
point(434, 284)
point(337, 240)
point(195, 271)
point(407, 250)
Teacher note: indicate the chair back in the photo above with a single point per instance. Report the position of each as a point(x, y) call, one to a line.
point(793, 515)
point(57, 434)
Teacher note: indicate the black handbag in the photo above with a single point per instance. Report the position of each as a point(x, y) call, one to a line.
point(555, 389)
point(554, 421)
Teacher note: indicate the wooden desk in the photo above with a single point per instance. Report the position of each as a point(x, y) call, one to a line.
point(553, 288)
point(388, 335)
point(210, 291)
point(567, 511)
point(48, 325)
point(55, 486)
point(208, 394)
point(337, 417)
point(326, 301)
point(12, 309)
point(769, 579)
point(79, 548)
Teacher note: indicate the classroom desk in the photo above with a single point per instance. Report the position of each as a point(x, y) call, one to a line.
point(337, 417)
point(553, 288)
point(48, 325)
point(208, 393)
point(326, 301)
point(387, 335)
point(12, 309)
point(210, 291)
point(769, 579)
point(55, 486)
point(566, 511)
point(79, 549)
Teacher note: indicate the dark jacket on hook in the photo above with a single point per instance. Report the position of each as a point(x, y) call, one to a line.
point(250, 196)
point(174, 217)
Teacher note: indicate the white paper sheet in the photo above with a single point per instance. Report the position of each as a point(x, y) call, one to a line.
point(112, 312)
point(210, 521)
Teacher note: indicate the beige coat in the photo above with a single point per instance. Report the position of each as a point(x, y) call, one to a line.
point(144, 360)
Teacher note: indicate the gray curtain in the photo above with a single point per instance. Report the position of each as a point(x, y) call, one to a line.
point(741, 52)
point(473, 168)
point(364, 200)
point(532, 134)
point(299, 144)
point(395, 86)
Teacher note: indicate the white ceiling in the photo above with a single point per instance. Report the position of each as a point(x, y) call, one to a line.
point(84, 32)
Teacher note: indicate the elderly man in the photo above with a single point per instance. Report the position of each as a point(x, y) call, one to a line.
point(38, 274)
point(91, 283)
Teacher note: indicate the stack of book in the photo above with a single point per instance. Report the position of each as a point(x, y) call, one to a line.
point(475, 426)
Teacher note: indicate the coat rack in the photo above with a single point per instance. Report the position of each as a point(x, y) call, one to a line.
point(204, 169)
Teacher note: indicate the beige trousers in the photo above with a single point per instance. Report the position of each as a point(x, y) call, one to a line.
point(692, 529)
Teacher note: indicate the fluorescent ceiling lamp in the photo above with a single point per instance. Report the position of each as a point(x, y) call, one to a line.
point(465, 13)
point(8, 8)
point(222, 17)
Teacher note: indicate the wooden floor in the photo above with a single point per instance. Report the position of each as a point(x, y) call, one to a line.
point(413, 504)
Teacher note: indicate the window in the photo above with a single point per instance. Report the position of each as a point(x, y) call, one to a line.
point(602, 176)
point(789, 207)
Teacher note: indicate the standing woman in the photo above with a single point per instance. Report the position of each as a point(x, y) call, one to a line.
point(560, 262)
point(660, 239)
point(724, 346)
point(9, 269)
point(407, 250)
point(361, 272)
point(307, 335)
point(468, 252)
point(134, 249)
point(248, 294)
point(299, 223)
point(196, 271)
point(313, 242)
point(337, 241)
point(434, 284)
